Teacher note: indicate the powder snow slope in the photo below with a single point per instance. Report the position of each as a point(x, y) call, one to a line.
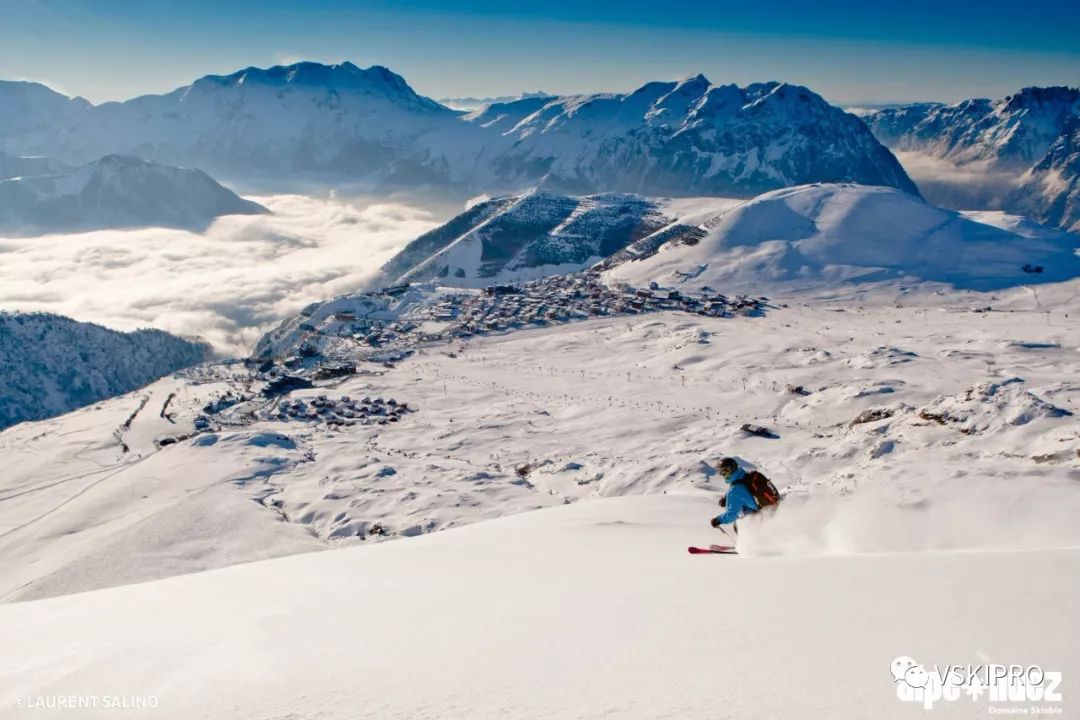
point(586, 611)
point(948, 450)
point(807, 236)
point(116, 191)
point(50, 365)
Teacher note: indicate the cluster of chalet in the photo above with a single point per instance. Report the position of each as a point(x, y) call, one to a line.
point(216, 406)
point(565, 298)
point(371, 332)
point(341, 411)
point(704, 302)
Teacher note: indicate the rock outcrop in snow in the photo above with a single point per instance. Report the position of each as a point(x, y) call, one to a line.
point(676, 138)
point(990, 406)
point(116, 191)
point(808, 235)
point(50, 365)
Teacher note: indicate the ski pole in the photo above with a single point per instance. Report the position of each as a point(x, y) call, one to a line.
point(726, 533)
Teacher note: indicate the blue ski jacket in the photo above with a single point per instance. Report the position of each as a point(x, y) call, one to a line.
point(739, 500)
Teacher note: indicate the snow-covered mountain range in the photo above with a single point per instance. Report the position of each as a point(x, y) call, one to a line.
point(341, 121)
point(1013, 132)
point(485, 463)
point(891, 124)
point(51, 365)
point(1026, 134)
point(304, 117)
point(687, 138)
point(116, 191)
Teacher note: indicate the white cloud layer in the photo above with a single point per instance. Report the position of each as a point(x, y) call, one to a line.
point(972, 186)
point(226, 285)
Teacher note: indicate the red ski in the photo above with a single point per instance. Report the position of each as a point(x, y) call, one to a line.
point(713, 549)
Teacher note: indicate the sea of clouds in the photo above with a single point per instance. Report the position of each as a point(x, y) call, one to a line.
point(972, 186)
point(226, 285)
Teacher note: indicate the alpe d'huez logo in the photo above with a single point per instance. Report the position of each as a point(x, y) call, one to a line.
point(987, 683)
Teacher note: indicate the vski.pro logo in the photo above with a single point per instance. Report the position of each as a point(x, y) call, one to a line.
point(992, 683)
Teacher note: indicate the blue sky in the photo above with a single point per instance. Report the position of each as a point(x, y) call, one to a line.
point(850, 52)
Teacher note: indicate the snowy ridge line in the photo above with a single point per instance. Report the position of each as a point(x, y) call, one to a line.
point(796, 239)
point(470, 236)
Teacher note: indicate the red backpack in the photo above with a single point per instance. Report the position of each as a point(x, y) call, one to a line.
point(761, 488)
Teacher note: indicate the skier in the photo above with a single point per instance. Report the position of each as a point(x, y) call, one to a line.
point(748, 493)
